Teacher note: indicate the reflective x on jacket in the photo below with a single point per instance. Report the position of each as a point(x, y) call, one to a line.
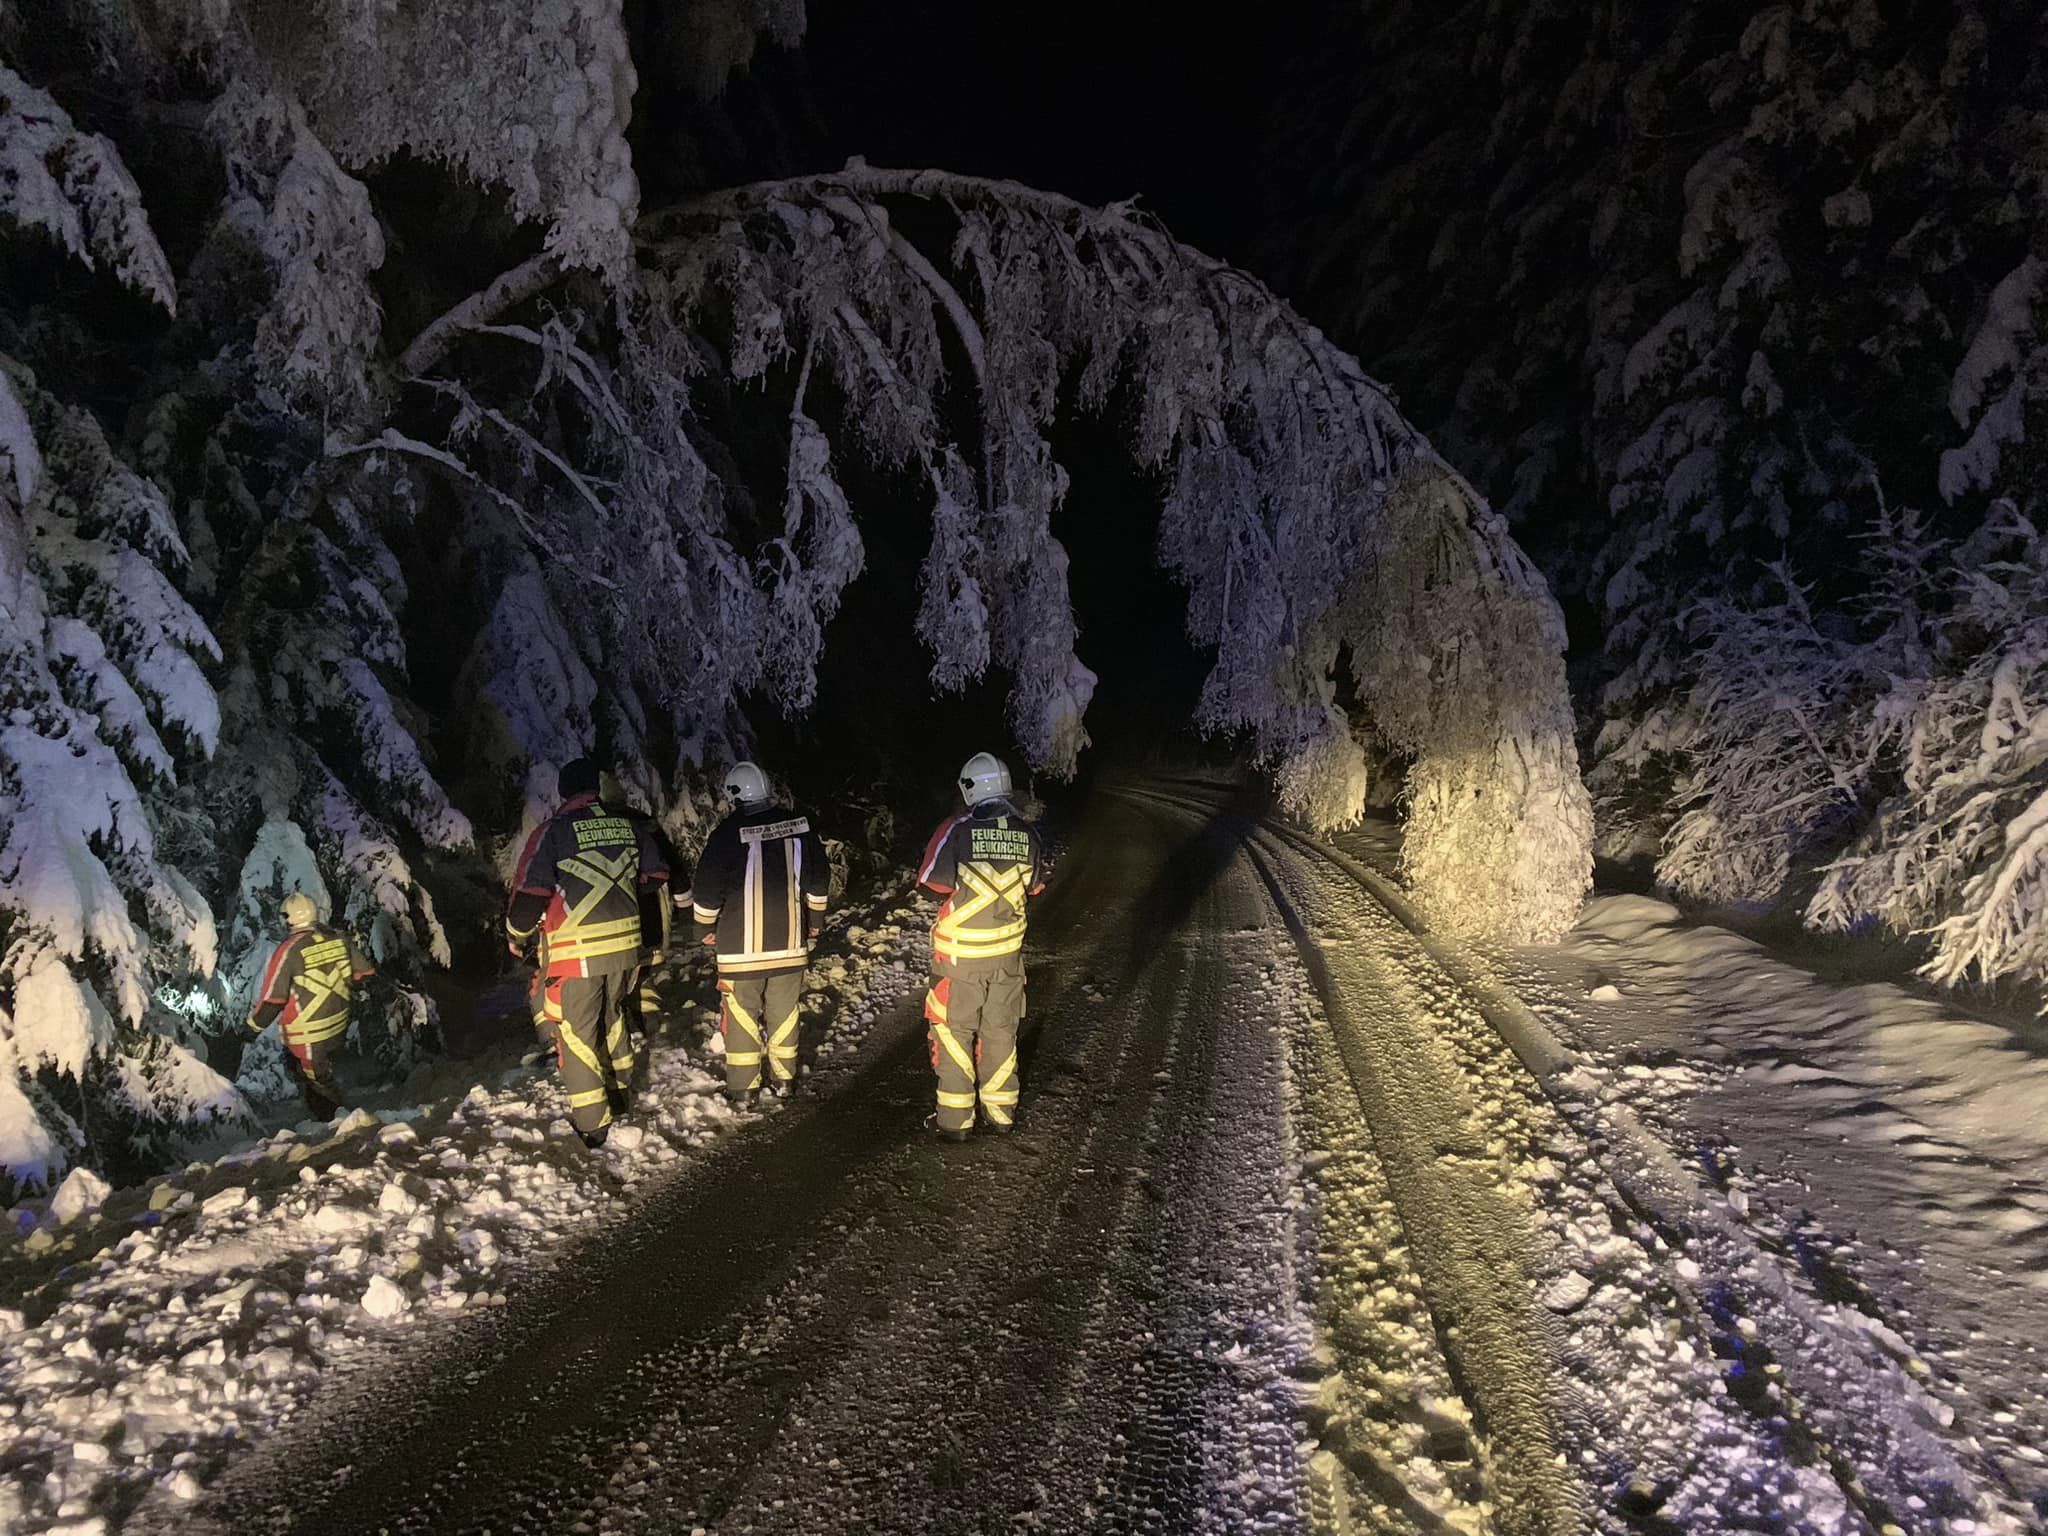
point(578, 884)
point(309, 985)
point(987, 864)
point(761, 888)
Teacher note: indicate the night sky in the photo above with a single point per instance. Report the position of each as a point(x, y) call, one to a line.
point(1097, 101)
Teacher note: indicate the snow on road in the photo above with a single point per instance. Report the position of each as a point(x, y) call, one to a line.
point(1886, 1153)
point(1311, 1223)
point(153, 1336)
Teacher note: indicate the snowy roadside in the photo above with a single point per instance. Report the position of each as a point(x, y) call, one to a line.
point(1884, 1151)
point(150, 1333)
point(1801, 1226)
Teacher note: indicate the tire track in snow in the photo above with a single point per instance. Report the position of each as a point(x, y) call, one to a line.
point(1469, 1238)
point(1706, 1385)
point(1392, 1444)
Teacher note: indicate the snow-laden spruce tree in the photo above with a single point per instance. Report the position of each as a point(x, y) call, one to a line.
point(1305, 516)
point(299, 519)
point(1909, 754)
point(1672, 289)
point(104, 705)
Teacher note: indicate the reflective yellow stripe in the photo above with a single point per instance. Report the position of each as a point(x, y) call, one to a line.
point(576, 953)
point(585, 940)
point(934, 1009)
point(954, 1049)
point(783, 1043)
point(955, 1100)
point(581, 1049)
point(573, 939)
point(986, 933)
point(586, 1098)
point(728, 959)
point(594, 930)
point(740, 961)
point(957, 949)
point(986, 877)
point(993, 1083)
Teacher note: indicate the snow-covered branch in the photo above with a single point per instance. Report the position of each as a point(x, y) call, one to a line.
point(75, 188)
point(1305, 516)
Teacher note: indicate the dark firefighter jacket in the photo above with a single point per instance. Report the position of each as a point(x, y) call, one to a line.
point(655, 913)
point(987, 864)
point(309, 985)
point(761, 888)
point(578, 884)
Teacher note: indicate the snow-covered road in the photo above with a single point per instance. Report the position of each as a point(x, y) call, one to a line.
point(1310, 1223)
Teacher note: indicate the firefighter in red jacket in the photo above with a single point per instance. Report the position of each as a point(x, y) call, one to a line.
point(760, 892)
point(988, 864)
point(309, 988)
point(576, 892)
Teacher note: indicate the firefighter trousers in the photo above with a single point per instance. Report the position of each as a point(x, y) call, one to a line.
point(974, 1012)
point(592, 1052)
point(312, 1065)
point(759, 1022)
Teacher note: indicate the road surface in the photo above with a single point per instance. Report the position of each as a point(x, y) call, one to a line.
point(1300, 1230)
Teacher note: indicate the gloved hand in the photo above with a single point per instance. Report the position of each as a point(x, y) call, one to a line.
point(520, 949)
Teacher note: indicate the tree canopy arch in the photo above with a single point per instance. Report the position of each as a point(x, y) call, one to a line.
point(1305, 516)
point(325, 614)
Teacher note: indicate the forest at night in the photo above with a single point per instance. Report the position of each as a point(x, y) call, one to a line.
point(1484, 566)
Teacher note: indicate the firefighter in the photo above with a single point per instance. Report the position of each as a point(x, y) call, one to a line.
point(988, 863)
point(309, 988)
point(760, 894)
point(576, 894)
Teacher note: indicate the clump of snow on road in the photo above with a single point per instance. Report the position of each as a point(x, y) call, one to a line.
point(151, 1331)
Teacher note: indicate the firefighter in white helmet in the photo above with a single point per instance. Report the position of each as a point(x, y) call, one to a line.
point(988, 863)
point(309, 988)
point(760, 893)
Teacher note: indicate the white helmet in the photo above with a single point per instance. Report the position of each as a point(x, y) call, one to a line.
point(984, 778)
point(298, 910)
point(747, 784)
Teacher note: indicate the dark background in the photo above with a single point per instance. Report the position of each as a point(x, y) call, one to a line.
point(1100, 102)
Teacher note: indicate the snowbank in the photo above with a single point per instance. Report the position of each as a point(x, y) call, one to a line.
point(1879, 1148)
